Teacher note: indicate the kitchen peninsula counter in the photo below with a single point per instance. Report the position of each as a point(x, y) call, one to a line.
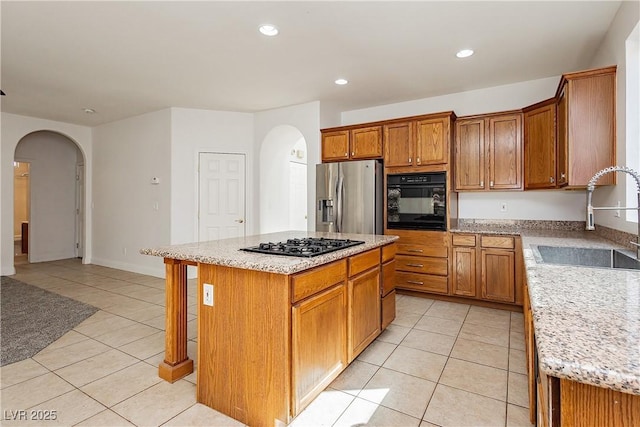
point(274, 330)
point(586, 319)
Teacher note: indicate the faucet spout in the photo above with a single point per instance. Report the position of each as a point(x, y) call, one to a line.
point(591, 186)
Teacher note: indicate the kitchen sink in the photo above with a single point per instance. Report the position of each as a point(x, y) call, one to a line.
point(588, 257)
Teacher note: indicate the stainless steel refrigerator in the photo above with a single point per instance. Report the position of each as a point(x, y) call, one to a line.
point(349, 197)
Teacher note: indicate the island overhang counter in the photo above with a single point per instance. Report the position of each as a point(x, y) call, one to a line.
point(280, 328)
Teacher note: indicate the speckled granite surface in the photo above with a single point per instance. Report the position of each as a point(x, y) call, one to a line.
point(226, 252)
point(586, 320)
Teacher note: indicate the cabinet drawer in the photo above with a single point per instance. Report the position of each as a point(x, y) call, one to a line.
point(364, 261)
point(313, 281)
point(427, 265)
point(502, 242)
point(422, 282)
point(389, 252)
point(422, 250)
point(463, 239)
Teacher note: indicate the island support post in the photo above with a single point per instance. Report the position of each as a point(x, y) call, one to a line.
point(176, 363)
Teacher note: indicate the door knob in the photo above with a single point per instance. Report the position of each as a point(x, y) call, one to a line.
point(239, 220)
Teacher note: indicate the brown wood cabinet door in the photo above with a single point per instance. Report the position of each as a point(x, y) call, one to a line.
point(364, 311)
point(398, 144)
point(432, 142)
point(319, 343)
point(498, 275)
point(335, 145)
point(388, 277)
point(505, 152)
point(366, 143)
point(464, 271)
point(561, 134)
point(591, 124)
point(540, 147)
point(470, 155)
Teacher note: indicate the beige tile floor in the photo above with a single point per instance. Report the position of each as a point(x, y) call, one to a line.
point(438, 364)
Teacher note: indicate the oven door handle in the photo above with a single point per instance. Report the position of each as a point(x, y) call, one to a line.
point(339, 204)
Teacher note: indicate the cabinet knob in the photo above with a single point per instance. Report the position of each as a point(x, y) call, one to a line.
point(490, 183)
point(563, 176)
point(552, 180)
point(418, 160)
point(346, 154)
point(409, 159)
point(481, 183)
point(353, 153)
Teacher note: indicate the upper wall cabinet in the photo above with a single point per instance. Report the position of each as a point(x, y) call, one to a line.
point(352, 144)
point(488, 152)
point(418, 142)
point(540, 146)
point(586, 108)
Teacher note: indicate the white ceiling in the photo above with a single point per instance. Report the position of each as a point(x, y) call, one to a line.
point(129, 58)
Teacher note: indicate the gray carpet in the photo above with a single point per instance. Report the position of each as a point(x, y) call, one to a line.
point(32, 318)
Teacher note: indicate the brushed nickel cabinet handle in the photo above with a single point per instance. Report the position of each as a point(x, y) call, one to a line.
point(415, 265)
point(414, 282)
point(414, 250)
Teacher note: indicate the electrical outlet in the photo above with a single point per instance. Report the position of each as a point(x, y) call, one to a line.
point(208, 294)
point(503, 206)
point(617, 212)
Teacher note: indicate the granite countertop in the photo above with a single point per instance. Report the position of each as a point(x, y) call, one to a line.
point(226, 252)
point(586, 319)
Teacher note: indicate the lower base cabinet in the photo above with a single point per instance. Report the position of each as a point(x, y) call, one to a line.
point(319, 343)
point(487, 267)
point(364, 311)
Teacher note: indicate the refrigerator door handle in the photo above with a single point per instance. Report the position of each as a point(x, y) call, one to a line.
point(340, 194)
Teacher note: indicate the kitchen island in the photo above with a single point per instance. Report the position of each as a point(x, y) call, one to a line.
point(274, 331)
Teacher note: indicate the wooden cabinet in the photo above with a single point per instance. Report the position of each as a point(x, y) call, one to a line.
point(418, 142)
point(540, 146)
point(464, 266)
point(319, 343)
point(488, 152)
point(352, 144)
point(586, 133)
point(484, 267)
point(529, 339)
point(422, 261)
point(364, 310)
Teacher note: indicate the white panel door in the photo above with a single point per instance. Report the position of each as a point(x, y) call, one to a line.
point(221, 196)
point(297, 196)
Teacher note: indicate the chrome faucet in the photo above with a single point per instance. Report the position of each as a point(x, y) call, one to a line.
point(592, 186)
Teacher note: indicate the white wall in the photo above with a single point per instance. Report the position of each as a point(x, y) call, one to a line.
point(52, 222)
point(305, 118)
point(274, 189)
point(12, 129)
point(194, 131)
point(612, 51)
point(127, 154)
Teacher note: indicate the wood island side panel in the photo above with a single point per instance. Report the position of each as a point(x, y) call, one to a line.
point(244, 344)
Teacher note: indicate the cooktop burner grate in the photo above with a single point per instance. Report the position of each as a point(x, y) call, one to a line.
point(305, 247)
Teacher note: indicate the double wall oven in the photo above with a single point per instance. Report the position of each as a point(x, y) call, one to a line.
point(417, 201)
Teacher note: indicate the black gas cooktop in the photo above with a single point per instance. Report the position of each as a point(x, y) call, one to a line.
point(306, 247)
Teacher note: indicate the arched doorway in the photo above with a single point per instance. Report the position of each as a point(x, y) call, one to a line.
point(55, 197)
point(283, 180)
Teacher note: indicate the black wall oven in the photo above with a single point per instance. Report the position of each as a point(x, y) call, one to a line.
point(417, 201)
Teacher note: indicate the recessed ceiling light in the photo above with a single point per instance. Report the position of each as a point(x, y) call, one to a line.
point(342, 82)
point(89, 110)
point(464, 53)
point(268, 30)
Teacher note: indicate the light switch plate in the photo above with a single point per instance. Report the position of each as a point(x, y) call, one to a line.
point(208, 294)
